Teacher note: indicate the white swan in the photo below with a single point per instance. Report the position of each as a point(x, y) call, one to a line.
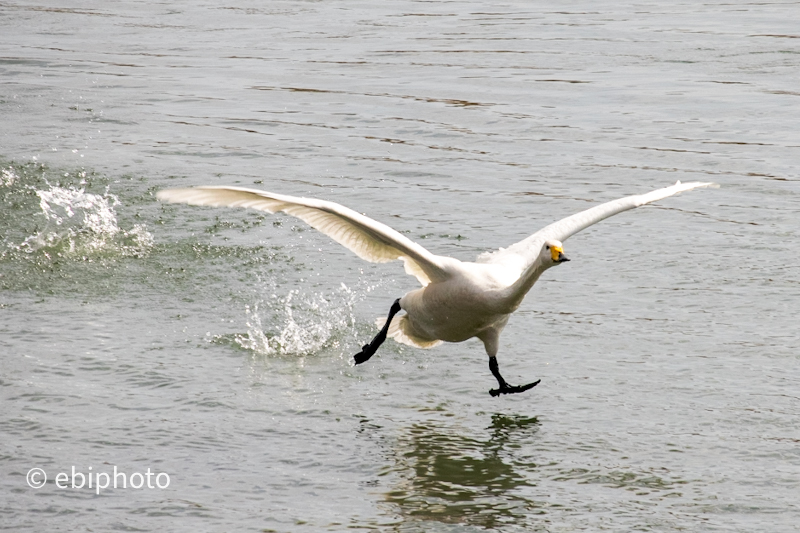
point(458, 300)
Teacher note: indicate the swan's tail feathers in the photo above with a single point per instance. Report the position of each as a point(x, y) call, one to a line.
point(401, 332)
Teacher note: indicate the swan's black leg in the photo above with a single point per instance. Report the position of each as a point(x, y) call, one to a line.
point(369, 349)
point(505, 388)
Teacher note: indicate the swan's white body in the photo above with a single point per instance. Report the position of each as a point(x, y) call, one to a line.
point(458, 300)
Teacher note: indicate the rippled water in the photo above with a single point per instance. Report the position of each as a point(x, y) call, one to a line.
point(215, 345)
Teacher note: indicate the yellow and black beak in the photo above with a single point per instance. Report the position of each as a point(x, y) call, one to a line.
point(557, 253)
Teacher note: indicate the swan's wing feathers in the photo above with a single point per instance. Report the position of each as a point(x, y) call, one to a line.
point(367, 238)
point(361, 242)
point(524, 252)
point(565, 228)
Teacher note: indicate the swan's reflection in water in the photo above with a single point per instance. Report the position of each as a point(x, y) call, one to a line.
point(446, 476)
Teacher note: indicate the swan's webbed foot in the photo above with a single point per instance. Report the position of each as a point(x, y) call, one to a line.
point(368, 350)
point(505, 388)
point(508, 389)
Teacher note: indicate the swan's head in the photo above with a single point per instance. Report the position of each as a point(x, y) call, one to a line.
point(553, 253)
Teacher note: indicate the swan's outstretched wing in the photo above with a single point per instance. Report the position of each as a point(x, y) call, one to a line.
point(368, 239)
point(524, 252)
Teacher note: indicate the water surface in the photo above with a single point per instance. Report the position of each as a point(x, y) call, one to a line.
point(215, 345)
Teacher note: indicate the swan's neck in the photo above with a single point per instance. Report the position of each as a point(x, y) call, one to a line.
point(517, 291)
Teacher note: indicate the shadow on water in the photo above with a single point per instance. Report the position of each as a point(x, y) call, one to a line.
point(445, 477)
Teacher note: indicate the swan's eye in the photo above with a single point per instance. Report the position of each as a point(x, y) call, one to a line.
point(547, 247)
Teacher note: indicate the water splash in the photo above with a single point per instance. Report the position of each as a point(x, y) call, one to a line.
point(299, 324)
point(8, 177)
point(81, 224)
